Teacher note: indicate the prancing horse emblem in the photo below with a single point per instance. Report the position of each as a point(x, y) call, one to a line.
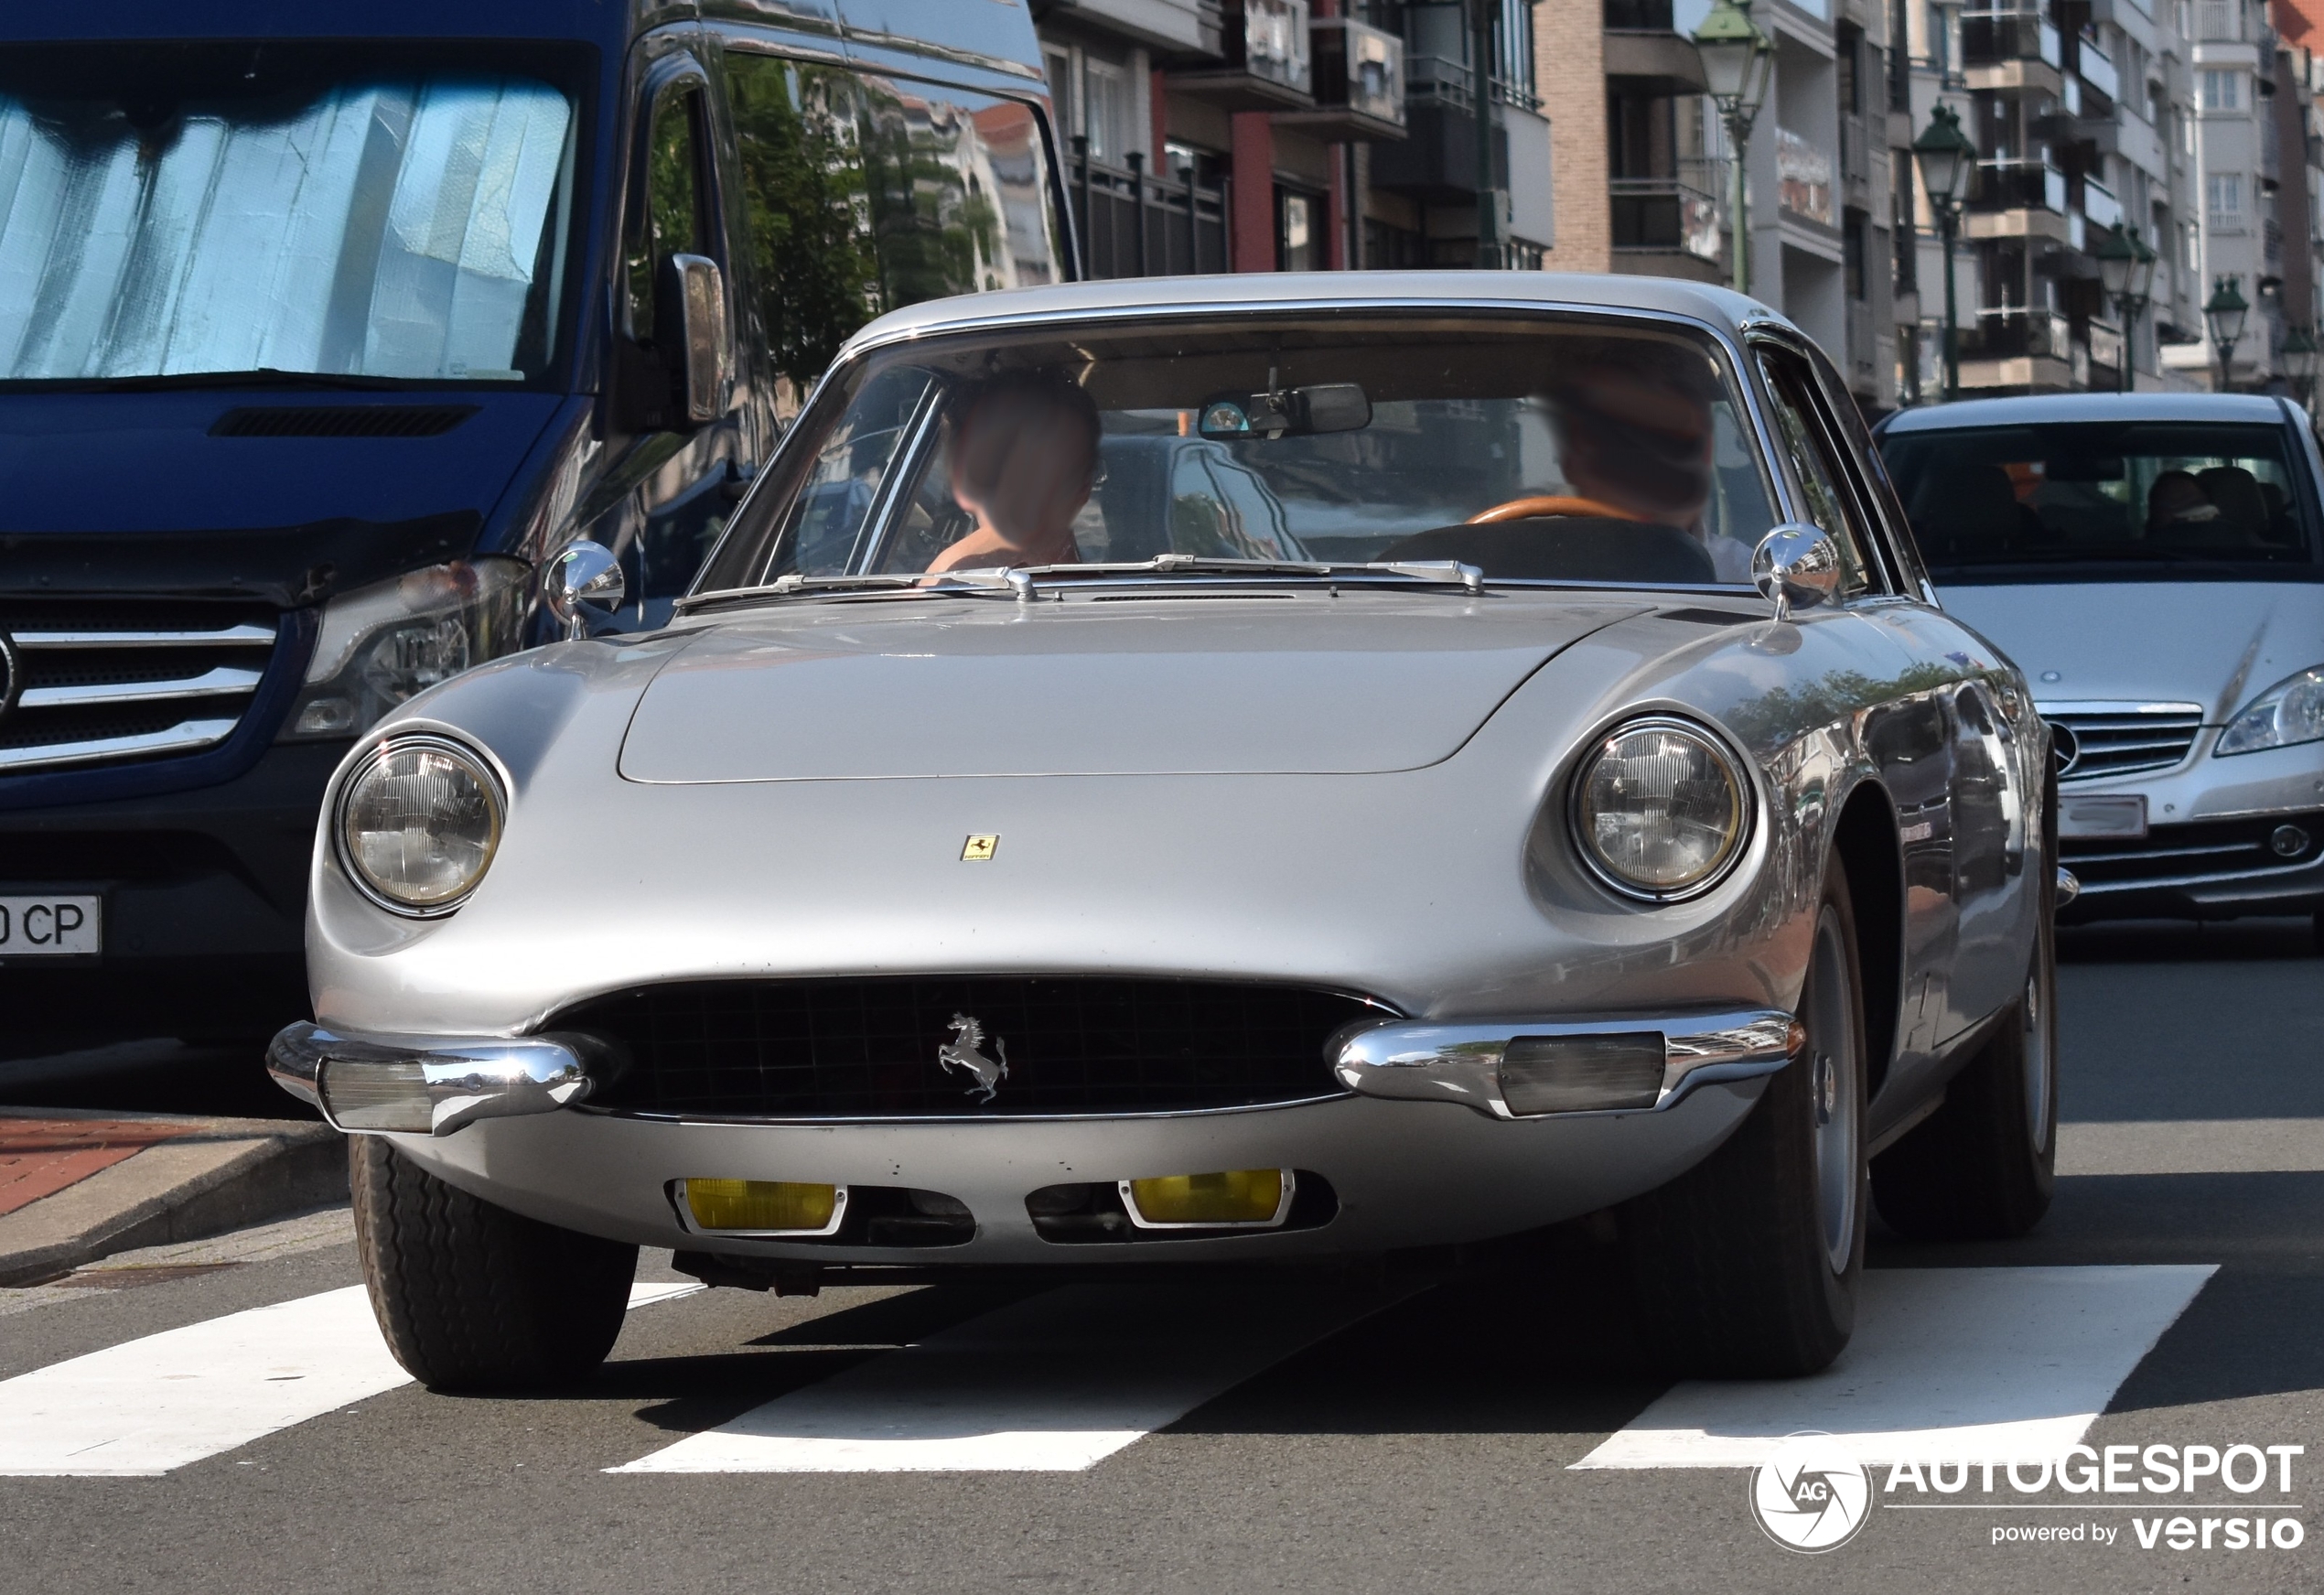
point(965, 1051)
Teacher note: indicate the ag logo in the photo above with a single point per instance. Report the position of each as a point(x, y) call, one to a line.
point(1810, 1495)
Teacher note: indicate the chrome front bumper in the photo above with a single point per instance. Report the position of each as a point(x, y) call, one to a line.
point(434, 1084)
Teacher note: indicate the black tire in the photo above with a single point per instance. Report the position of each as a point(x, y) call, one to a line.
point(1983, 1166)
point(472, 1297)
point(1737, 1268)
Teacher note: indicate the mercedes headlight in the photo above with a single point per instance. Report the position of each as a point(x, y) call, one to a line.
point(389, 641)
point(1661, 809)
point(2288, 713)
point(418, 822)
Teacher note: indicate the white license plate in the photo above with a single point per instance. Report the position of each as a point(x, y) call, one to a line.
point(2103, 817)
point(32, 926)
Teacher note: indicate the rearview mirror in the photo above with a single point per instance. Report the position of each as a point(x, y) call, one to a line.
point(698, 294)
point(1285, 412)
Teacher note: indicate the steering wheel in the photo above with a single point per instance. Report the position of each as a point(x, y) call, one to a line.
point(1547, 504)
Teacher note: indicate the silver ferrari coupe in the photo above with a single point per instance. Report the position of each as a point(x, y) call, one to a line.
point(1274, 772)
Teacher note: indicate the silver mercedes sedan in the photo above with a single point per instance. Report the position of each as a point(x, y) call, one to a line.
point(2156, 564)
point(1278, 771)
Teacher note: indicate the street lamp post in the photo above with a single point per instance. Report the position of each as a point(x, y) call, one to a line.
point(1738, 62)
point(1946, 158)
point(2126, 271)
point(2224, 314)
point(2300, 358)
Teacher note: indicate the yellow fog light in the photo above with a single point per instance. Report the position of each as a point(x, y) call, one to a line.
point(760, 1207)
point(1235, 1199)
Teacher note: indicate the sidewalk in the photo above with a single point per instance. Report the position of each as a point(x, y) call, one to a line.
point(77, 1186)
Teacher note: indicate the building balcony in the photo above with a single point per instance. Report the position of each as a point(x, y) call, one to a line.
point(2008, 333)
point(1683, 215)
point(2019, 185)
point(1268, 64)
point(1135, 225)
point(1644, 48)
point(1436, 162)
point(2097, 70)
point(2007, 50)
point(1803, 179)
point(1359, 76)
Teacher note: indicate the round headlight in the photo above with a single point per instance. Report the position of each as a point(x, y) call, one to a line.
point(1661, 809)
point(418, 822)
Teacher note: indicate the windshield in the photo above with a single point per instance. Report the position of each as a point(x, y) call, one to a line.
point(1541, 448)
point(2104, 500)
point(170, 210)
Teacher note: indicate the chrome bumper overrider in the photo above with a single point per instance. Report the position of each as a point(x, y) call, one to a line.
point(1462, 1062)
point(432, 1084)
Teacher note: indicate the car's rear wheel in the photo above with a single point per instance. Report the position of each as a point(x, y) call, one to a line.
point(1983, 1167)
point(473, 1297)
point(1746, 1266)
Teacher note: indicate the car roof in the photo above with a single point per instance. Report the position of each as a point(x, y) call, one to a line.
point(1259, 290)
point(2054, 409)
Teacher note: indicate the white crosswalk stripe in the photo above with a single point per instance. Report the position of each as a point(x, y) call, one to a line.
point(1057, 1383)
point(1998, 1363)
point(148, 1406)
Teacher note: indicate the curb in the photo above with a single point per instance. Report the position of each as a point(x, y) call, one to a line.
point(220, 1174)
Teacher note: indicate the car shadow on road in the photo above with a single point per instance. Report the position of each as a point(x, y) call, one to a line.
point(2188, 941)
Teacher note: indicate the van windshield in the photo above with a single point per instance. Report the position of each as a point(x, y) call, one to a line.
point(183, 211)
point(2102, 501)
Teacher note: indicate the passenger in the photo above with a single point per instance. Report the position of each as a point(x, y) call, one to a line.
point(1023, 459)
point(2176, 502)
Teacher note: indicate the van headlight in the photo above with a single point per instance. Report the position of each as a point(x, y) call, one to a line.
point(1661, 809)
point(394, 639)
point(2290, 712)
point(418, 821)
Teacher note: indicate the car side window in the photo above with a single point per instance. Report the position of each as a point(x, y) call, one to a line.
point(1807, 439)
point(670, 221)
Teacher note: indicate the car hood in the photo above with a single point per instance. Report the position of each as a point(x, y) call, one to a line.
point(2214, 643)
point(1118, 684)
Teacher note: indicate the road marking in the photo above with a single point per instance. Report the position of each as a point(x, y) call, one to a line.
point(2192, 1147)
point(148, 1406)
point(1054, 1384)
point(1946, 1363)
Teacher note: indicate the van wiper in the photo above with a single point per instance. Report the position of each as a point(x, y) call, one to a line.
point(262, 377)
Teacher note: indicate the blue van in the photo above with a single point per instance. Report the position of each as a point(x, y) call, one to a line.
point(323, 327)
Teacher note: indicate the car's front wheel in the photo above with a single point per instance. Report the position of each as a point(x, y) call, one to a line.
point(1746, 1266)
point(473, 1297)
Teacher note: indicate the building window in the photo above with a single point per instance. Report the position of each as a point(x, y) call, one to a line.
point(2223, 196)
point(1299, 232)
point(1852, 231)
point(1389, 248)
point(2222, 90)
point(1106, 106)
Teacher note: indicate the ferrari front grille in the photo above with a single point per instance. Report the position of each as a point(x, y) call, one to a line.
point(964, 1046)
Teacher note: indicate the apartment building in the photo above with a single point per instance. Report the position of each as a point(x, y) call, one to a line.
point(1643, 168)
point(1214, 136)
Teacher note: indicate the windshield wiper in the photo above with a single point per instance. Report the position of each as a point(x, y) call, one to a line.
point(784, 586)
point(1440, 571)
point(263, 377)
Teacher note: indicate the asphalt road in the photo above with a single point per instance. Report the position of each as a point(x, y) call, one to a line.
point(1426, 1440)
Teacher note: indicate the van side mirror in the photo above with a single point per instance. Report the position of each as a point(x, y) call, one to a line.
point(1796, 563)
point(695, 298)
point(584, 578)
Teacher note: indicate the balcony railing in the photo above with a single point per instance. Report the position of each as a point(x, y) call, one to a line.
point(2098, 203)
point(1991, 37)
point(2097, 69)
point(2219, 20)
point(1804, 176)
point(1134, 225)
point(1638, 15)
point(2007, 333)
point(1682, 213)
point(2020, 185)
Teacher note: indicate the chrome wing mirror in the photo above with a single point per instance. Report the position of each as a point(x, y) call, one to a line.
point(1796, 564)
point(700, 297)
point(584, 578)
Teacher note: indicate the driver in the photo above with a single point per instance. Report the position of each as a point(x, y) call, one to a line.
point(1023, 459)
point(1635, 440)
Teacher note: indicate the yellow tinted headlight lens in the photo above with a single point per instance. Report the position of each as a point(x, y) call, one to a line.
point(760, 1204)
point(1237, 1196)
